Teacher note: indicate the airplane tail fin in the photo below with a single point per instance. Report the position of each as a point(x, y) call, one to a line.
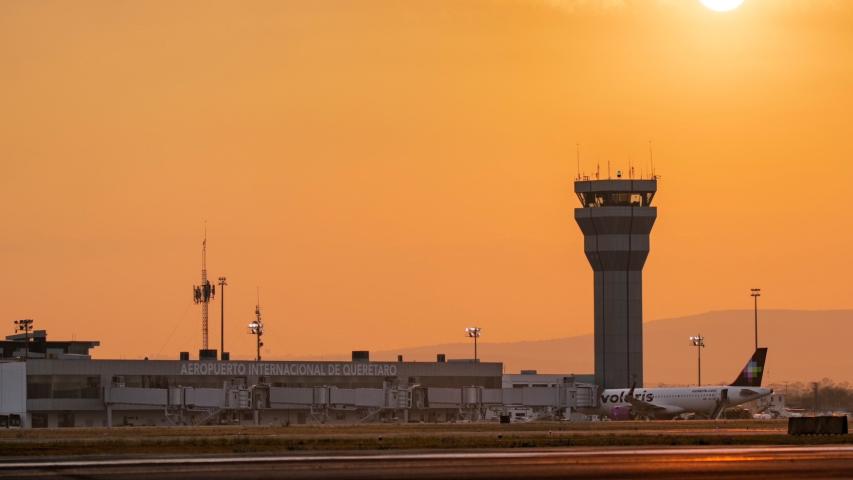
point(752, 373)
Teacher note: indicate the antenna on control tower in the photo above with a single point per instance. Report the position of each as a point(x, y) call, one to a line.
point(204, 292)
point(652, 159)
point(578, 155)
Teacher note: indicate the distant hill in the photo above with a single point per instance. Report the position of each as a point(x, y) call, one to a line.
point(804, 345)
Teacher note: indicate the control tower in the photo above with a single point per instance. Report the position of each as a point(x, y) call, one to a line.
point(616, 218)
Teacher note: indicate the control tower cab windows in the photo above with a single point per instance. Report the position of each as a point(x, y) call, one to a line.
point(616, 199)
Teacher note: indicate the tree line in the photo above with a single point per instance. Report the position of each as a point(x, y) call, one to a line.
point(824, 395)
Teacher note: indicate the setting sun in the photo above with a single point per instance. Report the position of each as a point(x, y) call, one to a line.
point(722, 5)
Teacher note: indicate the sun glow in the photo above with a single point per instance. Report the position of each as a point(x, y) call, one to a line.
point(722, 5)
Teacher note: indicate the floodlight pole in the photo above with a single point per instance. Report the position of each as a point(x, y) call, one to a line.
point(25, 326)
point(699, 366)
point(474, 332)
point(699, 343)
point(755, 293)
point(222, 315)
point(26, 339)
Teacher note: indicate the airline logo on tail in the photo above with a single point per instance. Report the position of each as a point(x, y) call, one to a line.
point(751, 374)
point(753, 371)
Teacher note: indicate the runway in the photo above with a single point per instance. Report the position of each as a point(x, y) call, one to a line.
point(710, 462)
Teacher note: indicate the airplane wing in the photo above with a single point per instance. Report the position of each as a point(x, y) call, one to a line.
point(643, 408)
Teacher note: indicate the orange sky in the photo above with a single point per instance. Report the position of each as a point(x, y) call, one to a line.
point(391, 172)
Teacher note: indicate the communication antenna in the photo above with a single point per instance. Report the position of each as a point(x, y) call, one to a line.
point(652, 159)
point(205, 292)
point(608, 169)
point(578, 155)
point(256, 328)
point(597, 169)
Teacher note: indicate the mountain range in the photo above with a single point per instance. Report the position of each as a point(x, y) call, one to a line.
point(803, 346)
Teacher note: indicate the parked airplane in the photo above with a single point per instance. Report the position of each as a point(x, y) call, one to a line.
point(663, 403)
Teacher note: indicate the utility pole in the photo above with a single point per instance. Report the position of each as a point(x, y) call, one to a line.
point(222, 285)
point(24, 326)
point(755, 293)
point(473, 332)
point(699, 343)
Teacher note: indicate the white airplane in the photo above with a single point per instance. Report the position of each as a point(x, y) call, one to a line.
point(667, 403)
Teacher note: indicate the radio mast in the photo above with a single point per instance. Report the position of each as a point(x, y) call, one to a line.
point(256, 328)
point(204, 292)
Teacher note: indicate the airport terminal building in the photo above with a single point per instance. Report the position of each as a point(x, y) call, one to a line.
point(54, 388)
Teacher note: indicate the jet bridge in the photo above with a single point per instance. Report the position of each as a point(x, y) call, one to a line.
point(329, 404)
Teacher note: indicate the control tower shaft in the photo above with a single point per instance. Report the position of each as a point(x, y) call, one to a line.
point(616, 218)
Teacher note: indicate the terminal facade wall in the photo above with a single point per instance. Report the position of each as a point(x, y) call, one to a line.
point(63, 393)
point(13, 397)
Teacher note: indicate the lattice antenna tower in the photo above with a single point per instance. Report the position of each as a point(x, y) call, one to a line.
point(203, 293)
point(256, 328)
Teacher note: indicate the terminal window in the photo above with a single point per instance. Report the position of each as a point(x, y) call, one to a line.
point(63, 386)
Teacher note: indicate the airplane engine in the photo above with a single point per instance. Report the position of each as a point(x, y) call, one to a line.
point(620, 412)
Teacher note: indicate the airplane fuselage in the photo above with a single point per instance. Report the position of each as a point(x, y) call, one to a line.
point(671, 402)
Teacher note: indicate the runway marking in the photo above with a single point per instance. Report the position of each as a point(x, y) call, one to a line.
point(421, 456)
